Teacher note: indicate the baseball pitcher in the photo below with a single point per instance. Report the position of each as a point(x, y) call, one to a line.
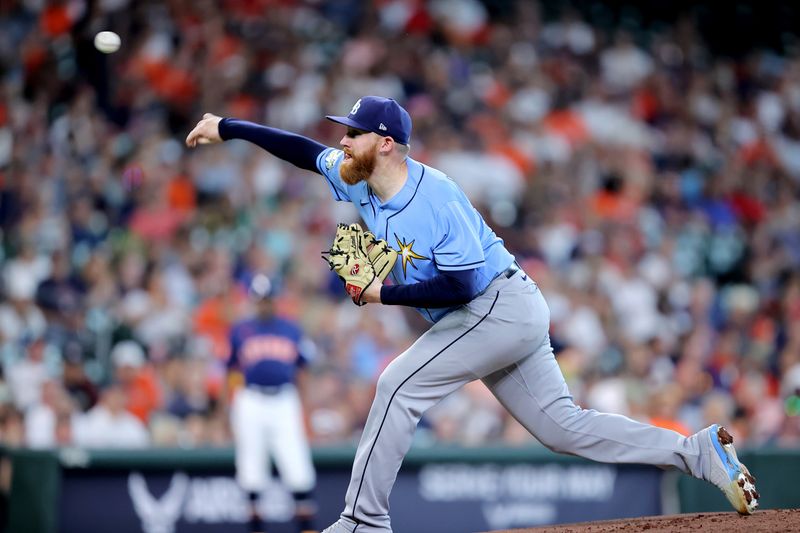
point(266, 414)
point(489, 319)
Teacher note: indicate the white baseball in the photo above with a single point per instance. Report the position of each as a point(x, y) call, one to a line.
point(107, 42)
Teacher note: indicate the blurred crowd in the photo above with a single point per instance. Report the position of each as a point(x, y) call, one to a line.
point(648, 185)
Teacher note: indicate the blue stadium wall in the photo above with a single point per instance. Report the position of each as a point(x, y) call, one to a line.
point(439, 490)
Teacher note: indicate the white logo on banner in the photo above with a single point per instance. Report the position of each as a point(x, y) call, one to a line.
point(355, 107)
point(158, 515)
point(209, 500)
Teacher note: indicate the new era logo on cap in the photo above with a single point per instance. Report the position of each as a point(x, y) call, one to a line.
point(380, 115)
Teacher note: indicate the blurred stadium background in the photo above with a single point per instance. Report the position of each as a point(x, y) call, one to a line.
point(642, 162)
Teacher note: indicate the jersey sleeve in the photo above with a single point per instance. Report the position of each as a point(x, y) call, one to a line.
point(328, 163)
point(460, 245)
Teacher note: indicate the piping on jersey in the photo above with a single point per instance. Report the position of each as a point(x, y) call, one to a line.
point(421, 176)
point(407, 203)
point(388, 405)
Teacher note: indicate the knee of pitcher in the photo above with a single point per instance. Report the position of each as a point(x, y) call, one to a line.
point(388, 384)
point(559, 438)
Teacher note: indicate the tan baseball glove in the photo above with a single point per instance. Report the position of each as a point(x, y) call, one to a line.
point(350, 237)
point(346, 257)
point(380, 254)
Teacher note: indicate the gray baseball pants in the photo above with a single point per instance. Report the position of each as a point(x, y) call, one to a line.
point(501, 338)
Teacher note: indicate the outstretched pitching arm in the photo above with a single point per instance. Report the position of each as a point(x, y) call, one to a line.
point(298, 150)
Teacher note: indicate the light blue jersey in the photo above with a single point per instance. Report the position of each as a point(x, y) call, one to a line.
point(429, 221)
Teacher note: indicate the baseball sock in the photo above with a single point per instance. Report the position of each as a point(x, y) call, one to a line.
point(305, 510)
point(256, 524)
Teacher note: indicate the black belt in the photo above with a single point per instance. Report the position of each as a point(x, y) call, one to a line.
point(269, 390)
point(507, 273)
point(510, 271)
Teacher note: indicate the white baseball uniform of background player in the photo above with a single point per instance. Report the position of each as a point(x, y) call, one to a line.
point(266, 414)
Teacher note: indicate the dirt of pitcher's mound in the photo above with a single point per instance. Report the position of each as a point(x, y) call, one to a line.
point(766, 521)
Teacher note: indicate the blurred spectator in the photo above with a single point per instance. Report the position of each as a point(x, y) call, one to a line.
point(624, 65)
point(165, 430)
point(27, 376)
point(222, 303)
point(13, 426)
point(49, 422)
point(60, 294)
point(83, 391)
point(665, 406)
point(189, 394)
point(135, 379)
point(110, 425)
point(161, 322)
point(20, 318)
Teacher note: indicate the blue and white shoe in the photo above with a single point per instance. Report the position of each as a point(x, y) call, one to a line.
point(727, 473)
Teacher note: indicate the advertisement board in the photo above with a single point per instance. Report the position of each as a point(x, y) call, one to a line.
point(434, 497)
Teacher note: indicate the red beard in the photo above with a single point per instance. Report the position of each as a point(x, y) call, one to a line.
point(358, 168)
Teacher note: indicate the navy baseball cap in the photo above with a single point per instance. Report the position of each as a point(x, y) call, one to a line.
point(380, 115)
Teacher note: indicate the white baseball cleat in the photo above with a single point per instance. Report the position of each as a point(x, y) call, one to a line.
point(727, 473)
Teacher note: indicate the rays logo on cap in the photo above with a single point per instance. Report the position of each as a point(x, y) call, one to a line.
point(380, 115)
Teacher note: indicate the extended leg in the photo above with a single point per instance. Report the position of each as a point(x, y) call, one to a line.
point(534, 392)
